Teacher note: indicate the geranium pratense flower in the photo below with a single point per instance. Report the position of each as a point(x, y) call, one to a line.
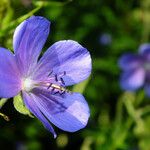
point(42, 81)
point(105, 39)
point(136, 70)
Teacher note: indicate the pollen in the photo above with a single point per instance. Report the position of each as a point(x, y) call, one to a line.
point(27, 84)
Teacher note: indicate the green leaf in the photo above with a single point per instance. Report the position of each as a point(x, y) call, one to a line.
point(20, 107)
point(81, 86)
point(2, 102)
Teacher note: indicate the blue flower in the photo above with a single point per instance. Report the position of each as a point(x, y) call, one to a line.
point(136, 70)
point(105, 39)
point(42, 80)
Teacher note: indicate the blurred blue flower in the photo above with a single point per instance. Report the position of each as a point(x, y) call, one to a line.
point(42, 81)
point(105, 39)
point(136, 70)
point(21, 146)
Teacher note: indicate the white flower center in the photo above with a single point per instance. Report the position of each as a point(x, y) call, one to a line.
point(27, 84)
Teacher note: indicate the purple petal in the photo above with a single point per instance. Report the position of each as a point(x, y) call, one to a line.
point(69, 112)
point(130, 61)
point(144, 49)
point(147, 89)
point(133, 79)
point(10, 81)
point(66, 56)
point(28, 41)
point(29, 100)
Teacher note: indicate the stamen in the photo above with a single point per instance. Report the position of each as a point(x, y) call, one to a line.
point(49, 85)
point(61, 90)
point(57, 92)
point(53, 89)
point(62, 81)
point(57, 87)
point(55, 83)
point(56, 78)
point(50, 73)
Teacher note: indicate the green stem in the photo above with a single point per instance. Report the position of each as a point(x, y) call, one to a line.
point(119, 110)
point(144, 110)
point(134, 114)
point(139, 98)
point(50, 3)
point(120, 127)
point(145, 4)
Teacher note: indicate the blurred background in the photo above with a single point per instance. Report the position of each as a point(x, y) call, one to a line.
point(119, 120)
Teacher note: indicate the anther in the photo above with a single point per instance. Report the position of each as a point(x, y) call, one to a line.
point(63, 92)
point(53, 89)
point(50, 73)
point(57, 92)
point(62, 81)
point(49, 86)
point(56, 78)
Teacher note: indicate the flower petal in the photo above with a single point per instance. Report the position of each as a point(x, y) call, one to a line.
point(28, 41)
point(68, 56)
point(144, 49)
point(29, 100)
point(133, 79)
point(147, 89)
point(130, 61)
point(69, 112)
point(10, 83)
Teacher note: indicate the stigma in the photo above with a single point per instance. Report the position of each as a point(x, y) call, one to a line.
point(58, 89)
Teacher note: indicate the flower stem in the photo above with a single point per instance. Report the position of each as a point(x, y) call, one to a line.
point(146, 20)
